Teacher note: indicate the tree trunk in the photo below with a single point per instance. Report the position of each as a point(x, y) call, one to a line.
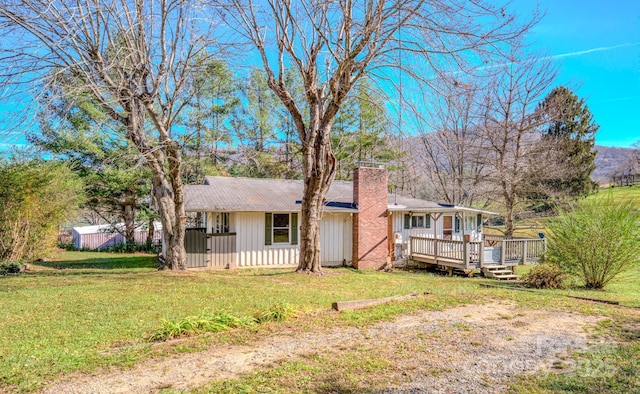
point(319, 167)
point(129, 218)
point(172, 217)
point(508, 220)
point(151, 231)
point(167, 186)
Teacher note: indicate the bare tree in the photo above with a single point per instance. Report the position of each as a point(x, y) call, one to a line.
point(451, 155)
point(133, 59)
point(512, 141)
point(333, 44)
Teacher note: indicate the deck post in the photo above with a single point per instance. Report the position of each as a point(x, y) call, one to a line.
point(435, 250)
point(465, 252)
point(481, 257)
point(503, 246)
point(524, 252)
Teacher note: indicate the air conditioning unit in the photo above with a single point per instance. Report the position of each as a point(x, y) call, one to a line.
point(397, 238)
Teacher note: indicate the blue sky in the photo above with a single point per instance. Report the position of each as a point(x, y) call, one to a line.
point(596, 45)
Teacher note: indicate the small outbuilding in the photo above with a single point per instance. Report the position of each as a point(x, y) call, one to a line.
point(98, 237)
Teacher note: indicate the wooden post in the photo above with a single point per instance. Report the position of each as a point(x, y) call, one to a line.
point(390, 239)
point(465, 244)
point(503, 246)
point(481, 257)
point(524, 252)
point(465, 252)
point(435, 251)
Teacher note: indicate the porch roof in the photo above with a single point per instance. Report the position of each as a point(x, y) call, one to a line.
point(417, 205)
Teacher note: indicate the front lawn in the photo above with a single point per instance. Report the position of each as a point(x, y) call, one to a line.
point(92, 310)
point(87, 311)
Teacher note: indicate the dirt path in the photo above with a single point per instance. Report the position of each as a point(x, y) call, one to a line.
point(475, 348)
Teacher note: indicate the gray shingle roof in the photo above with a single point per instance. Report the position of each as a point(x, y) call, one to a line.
point(263, 195)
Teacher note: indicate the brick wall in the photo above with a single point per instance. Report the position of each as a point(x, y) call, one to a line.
point(370, 223)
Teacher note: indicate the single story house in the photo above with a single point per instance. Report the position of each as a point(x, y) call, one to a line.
point(251, 222)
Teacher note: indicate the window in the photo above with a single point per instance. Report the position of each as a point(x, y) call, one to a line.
point(457, 228)
point(469, 223)
point(281, 228)
point(417, 221)
point(220, 223)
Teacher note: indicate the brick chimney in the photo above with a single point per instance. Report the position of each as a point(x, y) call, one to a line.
point(370, 223)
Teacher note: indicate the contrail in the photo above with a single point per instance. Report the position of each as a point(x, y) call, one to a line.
point(586, 51)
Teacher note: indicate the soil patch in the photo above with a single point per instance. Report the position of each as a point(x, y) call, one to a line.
point(469, 349)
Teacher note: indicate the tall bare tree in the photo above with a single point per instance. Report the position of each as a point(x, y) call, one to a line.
point(130, 57)
point(451, 152)
point(333, 44)
point(513, 146)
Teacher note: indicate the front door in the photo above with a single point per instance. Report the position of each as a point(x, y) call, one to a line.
point(447, 227)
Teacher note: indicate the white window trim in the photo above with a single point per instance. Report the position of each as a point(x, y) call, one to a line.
point(274, 228)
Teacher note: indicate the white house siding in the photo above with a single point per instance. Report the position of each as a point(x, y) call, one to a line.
point(336, 238)
point(402, 249)
point(252, 252)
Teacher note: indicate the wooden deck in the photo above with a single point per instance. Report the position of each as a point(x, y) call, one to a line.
point(464, 255)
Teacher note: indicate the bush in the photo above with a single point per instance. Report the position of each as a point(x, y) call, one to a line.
point(596, 241)
point(68, 246)
point(545, 276)
point(9, 268)
point(36, 196)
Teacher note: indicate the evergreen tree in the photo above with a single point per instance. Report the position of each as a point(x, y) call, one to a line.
point(362, 131)
point(571, 126)
point(215, 97)
point(118, 183)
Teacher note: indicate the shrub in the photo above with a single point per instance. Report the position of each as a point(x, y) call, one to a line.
point(68, 246)
point(36, 196)
point(596, 241)
point(545, 276)
point(9, 268)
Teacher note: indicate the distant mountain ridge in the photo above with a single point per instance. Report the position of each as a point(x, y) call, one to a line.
point(609, 161)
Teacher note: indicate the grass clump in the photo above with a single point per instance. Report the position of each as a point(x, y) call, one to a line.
point(220, 320)
point(277, 312)
point(215, 321)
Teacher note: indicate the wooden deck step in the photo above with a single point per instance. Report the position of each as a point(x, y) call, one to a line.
point(498, 272)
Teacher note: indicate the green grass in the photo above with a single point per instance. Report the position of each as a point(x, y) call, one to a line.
point(87, 311)
point(603, 369)
point(625, 288)
point(624, 193)
point(81, 314)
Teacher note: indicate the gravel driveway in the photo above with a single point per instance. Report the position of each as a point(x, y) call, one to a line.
point(469, 349)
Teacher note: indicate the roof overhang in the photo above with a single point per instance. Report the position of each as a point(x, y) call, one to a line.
point(442, 209)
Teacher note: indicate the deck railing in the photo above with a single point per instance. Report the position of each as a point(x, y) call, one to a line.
point(447, 249)
point(524, 250)
point(518, 250)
